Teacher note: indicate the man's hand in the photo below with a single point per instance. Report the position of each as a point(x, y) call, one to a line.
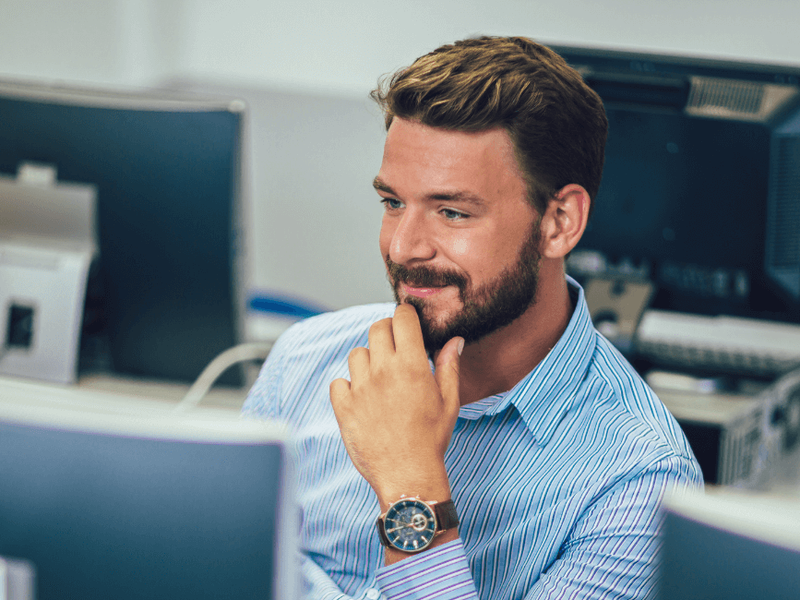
point(395, 417)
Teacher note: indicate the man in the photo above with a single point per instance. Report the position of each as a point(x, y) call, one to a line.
point(509, 450)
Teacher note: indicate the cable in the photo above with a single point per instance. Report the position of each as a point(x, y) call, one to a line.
point(228, 358)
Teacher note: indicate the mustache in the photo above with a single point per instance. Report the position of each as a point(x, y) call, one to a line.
point(424, 276)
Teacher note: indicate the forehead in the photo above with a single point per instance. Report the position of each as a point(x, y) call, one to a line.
point(428, 160)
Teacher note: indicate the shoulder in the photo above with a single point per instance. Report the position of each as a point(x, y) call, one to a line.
point(643, 426)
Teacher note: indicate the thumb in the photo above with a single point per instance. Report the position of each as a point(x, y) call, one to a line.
point(448, 369)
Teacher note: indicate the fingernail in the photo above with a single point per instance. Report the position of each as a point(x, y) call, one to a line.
point(460, 346)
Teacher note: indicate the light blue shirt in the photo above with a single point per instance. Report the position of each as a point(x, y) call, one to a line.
point(557, 482)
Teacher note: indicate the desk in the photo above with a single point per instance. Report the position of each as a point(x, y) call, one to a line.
point(108, 388)
point(168, 391)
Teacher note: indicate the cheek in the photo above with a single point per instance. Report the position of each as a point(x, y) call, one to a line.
point(460, 246)
point(385, 237)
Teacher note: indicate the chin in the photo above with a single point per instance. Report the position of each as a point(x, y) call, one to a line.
point(429, 314)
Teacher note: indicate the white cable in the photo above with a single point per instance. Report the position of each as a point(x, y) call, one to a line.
point(228, 358)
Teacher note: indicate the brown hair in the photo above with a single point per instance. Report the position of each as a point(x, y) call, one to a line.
point(556, 122)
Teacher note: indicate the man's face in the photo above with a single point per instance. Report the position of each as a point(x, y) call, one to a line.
point(460, 240)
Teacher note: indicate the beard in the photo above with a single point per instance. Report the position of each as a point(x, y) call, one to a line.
point(485, 309)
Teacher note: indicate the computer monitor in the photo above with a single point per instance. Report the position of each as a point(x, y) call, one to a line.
point(167, 173)
point(130, 500)
point(701, 181)
point(730, 546)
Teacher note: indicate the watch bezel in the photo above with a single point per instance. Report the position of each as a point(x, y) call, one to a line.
point(432, 524)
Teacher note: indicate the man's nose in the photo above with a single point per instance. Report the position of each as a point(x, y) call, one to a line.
point(412, 240)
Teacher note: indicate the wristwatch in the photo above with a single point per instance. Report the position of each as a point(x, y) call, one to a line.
point(410, 524)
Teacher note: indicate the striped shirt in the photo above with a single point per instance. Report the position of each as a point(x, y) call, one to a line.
point(557, 482)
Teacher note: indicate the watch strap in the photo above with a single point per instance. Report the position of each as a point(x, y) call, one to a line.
point(446, 515)
point(382, 532)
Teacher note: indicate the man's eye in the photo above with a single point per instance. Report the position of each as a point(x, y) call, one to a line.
point(391, 203)
point(453, 215)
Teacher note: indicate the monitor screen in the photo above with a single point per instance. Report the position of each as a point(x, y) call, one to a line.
point(700, 185)
point(126, 500)
point(730, 546)
point(167, 173)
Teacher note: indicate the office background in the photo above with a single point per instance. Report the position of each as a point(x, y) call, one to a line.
point(306, 70)
point(322, 59)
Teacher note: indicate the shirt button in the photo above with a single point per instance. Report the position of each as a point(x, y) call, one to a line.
point(373, 594)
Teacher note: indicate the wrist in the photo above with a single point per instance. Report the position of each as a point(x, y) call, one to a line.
point(435, 487)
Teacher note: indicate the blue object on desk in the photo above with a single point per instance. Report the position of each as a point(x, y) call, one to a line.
point(283, 306)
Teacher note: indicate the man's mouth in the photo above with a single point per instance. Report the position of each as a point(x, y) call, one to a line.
point(419, 292)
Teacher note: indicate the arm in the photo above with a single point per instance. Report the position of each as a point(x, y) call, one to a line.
point(396, 419)
point(612, 550)
point(316, 583)
point(275, 395)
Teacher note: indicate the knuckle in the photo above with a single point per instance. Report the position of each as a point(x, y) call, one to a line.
point(405, 310)
point(380, 326)
point(338, 386)
point(357, 354)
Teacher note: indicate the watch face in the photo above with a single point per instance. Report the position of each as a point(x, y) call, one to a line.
point(410, 525)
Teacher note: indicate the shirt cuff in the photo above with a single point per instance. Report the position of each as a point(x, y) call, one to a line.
point(441, 574)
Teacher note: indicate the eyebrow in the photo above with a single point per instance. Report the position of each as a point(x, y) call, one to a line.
point(381, 186)
point(465, 197)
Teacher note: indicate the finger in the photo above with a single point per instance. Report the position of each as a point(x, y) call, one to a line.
point(340, 389)
point(358, 362)
point(448, 364)
point(381, 338)
point(408, 332)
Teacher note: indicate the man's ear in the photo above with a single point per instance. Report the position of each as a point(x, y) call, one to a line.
point(564, 221)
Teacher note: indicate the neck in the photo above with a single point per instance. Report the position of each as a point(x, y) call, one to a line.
point(496, 363)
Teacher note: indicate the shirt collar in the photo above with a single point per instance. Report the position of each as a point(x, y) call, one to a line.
point(548, 392)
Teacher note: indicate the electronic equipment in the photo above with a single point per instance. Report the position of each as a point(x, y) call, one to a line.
point(701, 185)
point(738, 437)
point(722, 344)
point(47, 243)
point(616, 307)
point(108, 497)
point(166, 168)
point(730, 545)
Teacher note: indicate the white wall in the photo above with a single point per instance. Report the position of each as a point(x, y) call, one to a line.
point(342, 46)
point(99, 42)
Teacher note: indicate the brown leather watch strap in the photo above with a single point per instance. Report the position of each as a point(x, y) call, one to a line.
point(446, 515)
point(382, 532)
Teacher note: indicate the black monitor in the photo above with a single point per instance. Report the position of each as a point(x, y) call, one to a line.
point(701, 185)
point(112, 498)
point(167, 173)
point(730, 546)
